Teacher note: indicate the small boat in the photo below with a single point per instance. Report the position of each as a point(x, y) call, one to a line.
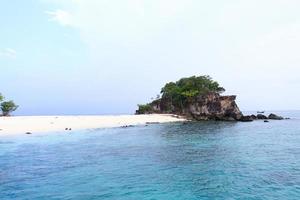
point(260, 112)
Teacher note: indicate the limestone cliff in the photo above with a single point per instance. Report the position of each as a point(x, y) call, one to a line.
point(195, 97)
point(211, 106)
point(214, 107)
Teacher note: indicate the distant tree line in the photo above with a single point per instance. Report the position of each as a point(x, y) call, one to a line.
point(7, 107)
point(178, 94)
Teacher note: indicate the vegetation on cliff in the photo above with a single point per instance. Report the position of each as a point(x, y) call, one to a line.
point(186, 89)
point(7, 106)
point(175, 96)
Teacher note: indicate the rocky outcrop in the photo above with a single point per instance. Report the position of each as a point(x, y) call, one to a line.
point(211, 106)
point(214, 107)
point(247, 118)
point(275, 117)
point(261, 116)
point(271, 116)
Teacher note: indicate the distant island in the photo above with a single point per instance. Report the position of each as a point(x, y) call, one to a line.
point(198, 98)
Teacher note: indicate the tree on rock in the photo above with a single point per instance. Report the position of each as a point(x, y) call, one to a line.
point(7, 107)
point(177, 96)
point(186, 89)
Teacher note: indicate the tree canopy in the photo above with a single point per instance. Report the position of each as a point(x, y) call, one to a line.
point(187, 89)
point(175, 95)
point(7, 106)
point(143, 109)
point(192, 86)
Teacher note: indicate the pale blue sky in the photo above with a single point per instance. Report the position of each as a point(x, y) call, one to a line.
point(104, 57)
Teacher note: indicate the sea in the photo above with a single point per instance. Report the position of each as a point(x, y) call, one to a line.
point(172, 161)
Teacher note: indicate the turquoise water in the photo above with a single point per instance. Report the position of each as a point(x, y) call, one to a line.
point(204, 160)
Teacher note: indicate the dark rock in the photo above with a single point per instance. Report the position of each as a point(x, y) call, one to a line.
point(127, 126)
point(261, 116)
point(229, 119)
point(246, 118)
point(66, 129)
point(210, 106)
point(254, 117)
point(152, 122)
point(28, 133)
point(70, 129)
point(266, 121)
point(275, 117)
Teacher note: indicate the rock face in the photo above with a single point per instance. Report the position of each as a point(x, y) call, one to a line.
point(254, 117)
point(261, 116)
point(211, 106)
point(247, 118)
point(275, 117)
point(214, 107)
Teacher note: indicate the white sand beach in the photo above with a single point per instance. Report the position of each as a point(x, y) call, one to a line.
point(41, 124)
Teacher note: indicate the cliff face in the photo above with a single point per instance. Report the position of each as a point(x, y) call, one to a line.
point(211, 106)
point(214, 107)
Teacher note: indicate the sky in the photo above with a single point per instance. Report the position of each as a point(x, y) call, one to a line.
point(106, 56)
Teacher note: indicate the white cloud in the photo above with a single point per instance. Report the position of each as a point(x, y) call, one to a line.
point(63, 17)
point(115, 17)
point(8, 53)
point(237, 42)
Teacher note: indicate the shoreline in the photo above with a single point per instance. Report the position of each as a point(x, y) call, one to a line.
point(17, 125)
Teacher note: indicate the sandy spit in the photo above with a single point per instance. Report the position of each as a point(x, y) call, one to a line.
point(40, 124)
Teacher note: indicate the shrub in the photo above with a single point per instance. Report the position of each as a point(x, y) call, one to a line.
point(144, 109)
point(7, 107)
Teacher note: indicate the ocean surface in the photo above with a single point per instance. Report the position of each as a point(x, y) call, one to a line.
point(198, 160)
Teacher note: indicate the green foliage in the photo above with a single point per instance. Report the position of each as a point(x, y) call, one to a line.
point(175, 96)
point(186, 89)
point(144, 108)
point(1, 97)
point(7, 107)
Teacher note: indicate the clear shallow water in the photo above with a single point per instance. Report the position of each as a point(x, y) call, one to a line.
point(205, 160)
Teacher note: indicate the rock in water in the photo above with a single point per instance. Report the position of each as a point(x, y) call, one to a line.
point(275, 117)
point(246, 118)
point(261, 116)
point(213, 106)
point(195, 97)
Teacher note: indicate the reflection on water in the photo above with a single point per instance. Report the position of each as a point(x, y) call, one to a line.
point(203, 160)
